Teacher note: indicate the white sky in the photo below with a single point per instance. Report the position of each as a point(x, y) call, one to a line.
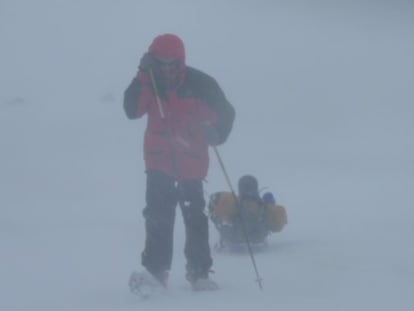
point(323, 93)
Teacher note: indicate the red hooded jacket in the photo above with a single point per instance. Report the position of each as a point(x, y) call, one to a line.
point(176, 144)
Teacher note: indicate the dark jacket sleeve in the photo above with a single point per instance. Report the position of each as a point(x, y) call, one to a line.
point(225, 112)
point(207, 88)
point(131, 96)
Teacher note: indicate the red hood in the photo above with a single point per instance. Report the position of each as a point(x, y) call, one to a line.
point(168, 46)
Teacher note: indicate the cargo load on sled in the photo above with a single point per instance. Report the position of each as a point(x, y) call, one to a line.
point(247, 213)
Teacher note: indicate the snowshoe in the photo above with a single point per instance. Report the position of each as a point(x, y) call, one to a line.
point(145, 284)
point(201, 282)
point(204, 284)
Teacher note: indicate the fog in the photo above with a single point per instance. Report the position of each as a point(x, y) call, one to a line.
point(323, 92)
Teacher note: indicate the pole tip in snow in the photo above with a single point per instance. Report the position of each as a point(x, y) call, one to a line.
point(259, 282)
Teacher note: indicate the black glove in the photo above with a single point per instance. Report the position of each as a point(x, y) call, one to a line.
point(211, 134)
point(146, 62)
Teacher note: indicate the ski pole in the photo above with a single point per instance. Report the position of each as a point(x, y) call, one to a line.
point(169, 137)
point(157, 96)
point(238, 204)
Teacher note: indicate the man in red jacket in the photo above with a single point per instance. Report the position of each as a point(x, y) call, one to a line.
point(186, 112)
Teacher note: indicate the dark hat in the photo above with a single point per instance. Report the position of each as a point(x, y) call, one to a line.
point(248, 187)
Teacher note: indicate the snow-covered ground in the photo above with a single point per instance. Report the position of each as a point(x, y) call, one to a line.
point(323, 92)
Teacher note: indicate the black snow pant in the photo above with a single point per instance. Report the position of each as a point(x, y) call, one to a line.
point(162, 195)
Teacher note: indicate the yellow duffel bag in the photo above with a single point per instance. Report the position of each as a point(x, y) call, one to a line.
point(223, 206)
point(276, 217)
